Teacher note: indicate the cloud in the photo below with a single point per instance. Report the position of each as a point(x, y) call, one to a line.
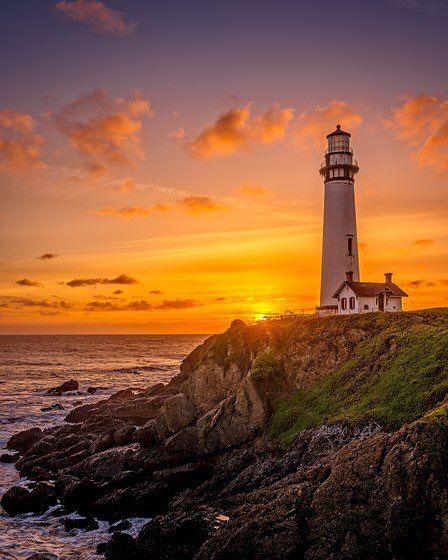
point(199, 204)
point(97, 15)
point(20, 145)
point(235, 130)
point(45, 304)
point(311, 127)
point(421, 284)
point(156, 292)
point(251, 189)
point(177, 134)
point(142, 305)
point(419, 242)
point(81, 282)
point(104, 130)
point(129, 212)
point(118, 292)
point(127, 185)
point(220, 299)
point(47, 256)
point(189, 205)
point(29, 283)
point(422, 122)
point(177, 304)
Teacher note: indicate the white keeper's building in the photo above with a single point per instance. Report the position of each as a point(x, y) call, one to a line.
point(342, 292)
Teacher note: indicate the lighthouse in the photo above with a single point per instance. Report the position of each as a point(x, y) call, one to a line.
point(340, 242)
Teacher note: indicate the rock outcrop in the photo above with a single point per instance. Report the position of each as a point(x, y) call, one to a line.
point(228, 466)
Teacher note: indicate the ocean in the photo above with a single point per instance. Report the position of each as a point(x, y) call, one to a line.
point(29, 366)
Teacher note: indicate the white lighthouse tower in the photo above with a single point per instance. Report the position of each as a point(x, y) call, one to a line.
point(340, 242)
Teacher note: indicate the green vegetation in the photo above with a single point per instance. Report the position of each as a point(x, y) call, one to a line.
point(395, 376)
point(265, 365)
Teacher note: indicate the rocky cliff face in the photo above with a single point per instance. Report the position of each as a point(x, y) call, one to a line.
point(206, 454)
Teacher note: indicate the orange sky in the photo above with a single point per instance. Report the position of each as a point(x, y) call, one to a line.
point(122, 213)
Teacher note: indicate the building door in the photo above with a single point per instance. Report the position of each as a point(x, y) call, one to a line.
point(381, 301)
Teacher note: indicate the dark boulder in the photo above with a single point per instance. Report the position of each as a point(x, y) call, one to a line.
point(18, 500)
point(55, 406)
point(123, 547)
point(81, 494)
point(94, 390)
point(65, 387)
point(9, 458)
point(25, 440)
point(84, 523)
point(124, 435)
point(122, 525)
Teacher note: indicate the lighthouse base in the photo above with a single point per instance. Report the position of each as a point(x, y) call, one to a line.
point(325, 310)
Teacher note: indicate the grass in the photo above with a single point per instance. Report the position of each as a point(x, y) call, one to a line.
point(396, 376)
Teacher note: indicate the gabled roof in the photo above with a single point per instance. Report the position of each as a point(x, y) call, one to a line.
point(372, 288)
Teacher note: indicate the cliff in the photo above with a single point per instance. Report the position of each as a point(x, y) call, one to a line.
point(316, 438)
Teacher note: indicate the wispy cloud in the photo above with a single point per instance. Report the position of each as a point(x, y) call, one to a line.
point(46, 256)
point(251, 189)
point(189, 205)
point(97, 15)
point(178, 304)
point(20, 145)
point(235, 130)
point(82, 282)
point(422, 122)
point(141, 305)
point(422, 242)
point(200, 204)
point(311, 127)
point(104, 130)
point(28, 283)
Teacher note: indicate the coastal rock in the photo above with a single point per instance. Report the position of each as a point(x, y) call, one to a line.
point(67, 386)
point(18, 500)
point(122, 547)
point(122, 525)
point(24, 440)
point(9, 458)
point(84, 523)
point(56, 406)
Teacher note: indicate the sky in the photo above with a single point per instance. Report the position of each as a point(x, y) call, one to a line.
point(159, 160)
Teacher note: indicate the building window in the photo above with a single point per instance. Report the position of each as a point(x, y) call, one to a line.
point(352, 302)
point(344, 303)
point(350, 246)
point(366, 307)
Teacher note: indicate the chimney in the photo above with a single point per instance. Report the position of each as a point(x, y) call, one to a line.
point(388, 276)
point(349, 276)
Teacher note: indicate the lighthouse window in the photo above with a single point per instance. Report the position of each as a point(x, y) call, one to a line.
point(352, 302)
point(350, 246)
point(344, 303)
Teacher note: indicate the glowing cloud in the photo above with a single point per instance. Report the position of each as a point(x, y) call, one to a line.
point(104, 130)
point(235, 130)
point(420, 242)
point(422, 122)
point(199, 204)
point(311, 127)
point(127, 185)
point(178, 304)
point(81, 282)
point(20, 146)
point(97, 15)
point(251, 189)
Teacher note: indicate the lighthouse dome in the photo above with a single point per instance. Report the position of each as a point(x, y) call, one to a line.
point(338, 132)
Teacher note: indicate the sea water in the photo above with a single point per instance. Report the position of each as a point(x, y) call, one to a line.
point(29, 366)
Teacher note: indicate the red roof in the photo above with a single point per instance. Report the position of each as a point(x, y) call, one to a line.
point(372, 288)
